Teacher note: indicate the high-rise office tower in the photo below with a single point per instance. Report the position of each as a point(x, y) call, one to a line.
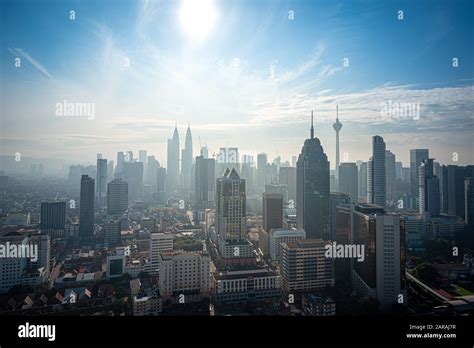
point(248, 174)
point(336, 199)
point(261, 171)
point(429, 197)
point(231, 217)
point(416, 157)
point(117, 197)
point(231, 210)
point(390, 176)
point(453, 189)
point(337, 128)
point(133, 174)
point(205, 183)
point(112, 232)
point(376, 173)
point(161, 184)
point(382, 273)
point(348, 180)
point(312, 188)
point(469, 201)
point(272, 211)
point(53, 218)
point(173, 163)
point(363, 182)
point(398, 170)
point(150, 172)
point(110, 171)
point(280, 189)
point(142, 156)
point(287, 176)
point(86, 212)
point(101, 183)
point(120, 161)
point(187, 162)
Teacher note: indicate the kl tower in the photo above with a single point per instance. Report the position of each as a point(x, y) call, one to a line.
point(337, 127)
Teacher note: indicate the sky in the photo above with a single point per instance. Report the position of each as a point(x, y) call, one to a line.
point(244, 74)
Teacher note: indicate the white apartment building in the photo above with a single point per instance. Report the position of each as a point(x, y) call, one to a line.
point(283, 235)
point(184, 273)
point(159, 243)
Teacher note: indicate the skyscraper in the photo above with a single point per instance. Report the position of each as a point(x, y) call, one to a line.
point(173, 163)
point(382, 273)
point(312, 188)
point(53, 218)
point(429, 197)
point(101, 182)
point(416, 157)
point(205, 185)
point(110, 171)
point(133, 174)
point(120, 161)
point(348, 180)
point(142, 156)
point(117, 197)
point(469, 201)
point(272, 211)
point(86, 212)
point(161, 184)
point(231, 218)
point(337, 127)
point(287, 176)
point(261, 171)
point(187, 162)
point(363, 182)
point(376, 173)
point(390, 176)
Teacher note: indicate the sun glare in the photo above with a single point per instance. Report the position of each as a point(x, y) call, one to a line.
point(197, 18)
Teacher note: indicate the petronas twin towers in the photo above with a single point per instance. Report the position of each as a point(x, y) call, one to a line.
point(179, 177)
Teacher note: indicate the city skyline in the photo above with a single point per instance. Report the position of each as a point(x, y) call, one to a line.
point(145, 72)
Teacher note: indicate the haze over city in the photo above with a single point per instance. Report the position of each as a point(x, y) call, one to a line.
point(242, 74)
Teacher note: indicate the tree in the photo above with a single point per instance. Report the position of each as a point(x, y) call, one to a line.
point(426, 272)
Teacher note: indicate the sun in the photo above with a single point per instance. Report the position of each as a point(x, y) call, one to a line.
point(197, 18)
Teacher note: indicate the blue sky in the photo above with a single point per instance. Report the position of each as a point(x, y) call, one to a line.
point(250, 82)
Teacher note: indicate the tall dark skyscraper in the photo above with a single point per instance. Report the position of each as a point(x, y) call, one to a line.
point(86, 213)
point(376, 173)
point(187, 162)
point(117, 197)
point(337, 128)
point(312, 188)
point(272, 211)
point(173, 163)
point(416, 157)
point(53, 218)
point(101, 183)
point(429, 196)
point(469, 201)
point(205, 183)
